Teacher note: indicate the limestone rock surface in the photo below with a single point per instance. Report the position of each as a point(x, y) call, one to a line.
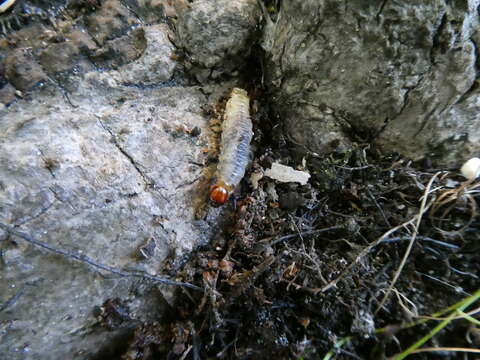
point(102, 151)
point(217, 35)
point(404, 75)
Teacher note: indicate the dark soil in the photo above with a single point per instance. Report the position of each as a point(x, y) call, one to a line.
point(301, 271)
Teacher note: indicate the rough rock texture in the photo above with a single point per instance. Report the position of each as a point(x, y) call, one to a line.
point(404, 74)
point(101, 178)
point(22, 70)
point(97, 161)
point(121, 51)
point(111, 21)
point(155, 65)
point(217, 35)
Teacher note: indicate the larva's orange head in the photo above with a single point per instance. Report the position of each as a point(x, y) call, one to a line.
point(219, 194)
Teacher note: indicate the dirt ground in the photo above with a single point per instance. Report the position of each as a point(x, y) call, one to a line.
point(345, 267)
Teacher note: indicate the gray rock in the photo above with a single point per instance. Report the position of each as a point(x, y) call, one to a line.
point(155, 65)
point(59, 57)
point(22, 70)
point(7, 94)
point(400, 74)
point(97, 164)
point(100, 179)
point(150, 11)
point(120, 51)
point(111, 21)
point(217, 35)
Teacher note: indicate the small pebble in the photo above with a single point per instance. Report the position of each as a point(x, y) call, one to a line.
point(471, 169)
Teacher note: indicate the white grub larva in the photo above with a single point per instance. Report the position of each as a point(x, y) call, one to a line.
point(235, 146)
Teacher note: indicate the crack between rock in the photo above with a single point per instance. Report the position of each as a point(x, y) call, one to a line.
point(476, 82)
point(406, 101)
point(435, 45)
point(435, 38)
point(55, 194)
point(282, 69)
point(56, 83)
point(424, 123)
point(78, 256)
point(380, 10)
point(172, 82)
point(466, 94)
point(133, 12)
point(39, 213)
point(188, 183)
point(406, 97)
point(147, 181)
point(112, 202)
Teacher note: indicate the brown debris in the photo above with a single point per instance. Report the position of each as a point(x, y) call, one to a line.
point(297, 278)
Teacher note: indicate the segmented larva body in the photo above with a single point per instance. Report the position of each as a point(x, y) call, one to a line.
point(235, 146)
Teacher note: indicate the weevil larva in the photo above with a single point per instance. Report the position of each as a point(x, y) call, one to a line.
point(234, 147)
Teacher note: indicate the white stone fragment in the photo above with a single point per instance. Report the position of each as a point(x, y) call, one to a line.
point(284, 173)
point(471, 169)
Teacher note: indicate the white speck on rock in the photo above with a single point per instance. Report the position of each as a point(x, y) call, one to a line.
point(285, 174)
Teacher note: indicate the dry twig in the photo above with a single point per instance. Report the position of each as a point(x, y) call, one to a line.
point(423, 208)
